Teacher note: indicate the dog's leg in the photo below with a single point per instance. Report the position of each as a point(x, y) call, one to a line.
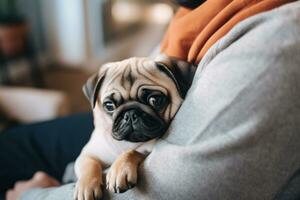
point(89, 174)
point(122, 174)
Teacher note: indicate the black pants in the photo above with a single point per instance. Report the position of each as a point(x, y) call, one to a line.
point(47, 146)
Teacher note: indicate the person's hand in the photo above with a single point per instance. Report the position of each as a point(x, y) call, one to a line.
point(39, 180)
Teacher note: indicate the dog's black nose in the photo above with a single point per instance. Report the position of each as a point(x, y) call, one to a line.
point(132, 115)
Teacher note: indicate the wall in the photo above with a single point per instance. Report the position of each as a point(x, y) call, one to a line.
point(70, 32)
point(65, 30)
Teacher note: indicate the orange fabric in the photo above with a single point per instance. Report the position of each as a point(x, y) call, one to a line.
point(192, 32)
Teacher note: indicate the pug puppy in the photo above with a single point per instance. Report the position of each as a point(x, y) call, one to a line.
point(133, 104)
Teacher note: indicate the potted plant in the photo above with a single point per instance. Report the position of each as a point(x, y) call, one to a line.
point(13, 30)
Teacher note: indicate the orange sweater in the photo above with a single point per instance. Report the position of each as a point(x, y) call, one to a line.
point(192, 32)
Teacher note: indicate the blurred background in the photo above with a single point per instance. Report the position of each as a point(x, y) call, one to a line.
point(48, 48)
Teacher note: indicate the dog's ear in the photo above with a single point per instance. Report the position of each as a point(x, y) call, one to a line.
point(181, 72)
point(92, 86)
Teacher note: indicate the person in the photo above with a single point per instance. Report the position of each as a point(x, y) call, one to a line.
point(236, 134)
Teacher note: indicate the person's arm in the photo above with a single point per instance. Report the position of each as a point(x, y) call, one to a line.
point(236, 135)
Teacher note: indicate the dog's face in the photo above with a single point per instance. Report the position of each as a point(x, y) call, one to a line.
point(140, 95)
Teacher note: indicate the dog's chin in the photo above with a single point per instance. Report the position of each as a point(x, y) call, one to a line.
point(138, 135)
point(133, 137)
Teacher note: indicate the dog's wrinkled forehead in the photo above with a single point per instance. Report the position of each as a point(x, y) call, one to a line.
point(127, 78)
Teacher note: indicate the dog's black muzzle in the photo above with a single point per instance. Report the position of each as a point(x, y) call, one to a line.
point(136, 122)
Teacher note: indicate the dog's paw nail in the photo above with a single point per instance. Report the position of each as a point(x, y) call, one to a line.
point(130, 185)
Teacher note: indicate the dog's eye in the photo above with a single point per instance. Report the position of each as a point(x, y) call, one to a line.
point(157, 102)
point(109, 106)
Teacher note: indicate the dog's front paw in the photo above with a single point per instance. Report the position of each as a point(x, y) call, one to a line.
point(88, 188)
point(122, 175)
